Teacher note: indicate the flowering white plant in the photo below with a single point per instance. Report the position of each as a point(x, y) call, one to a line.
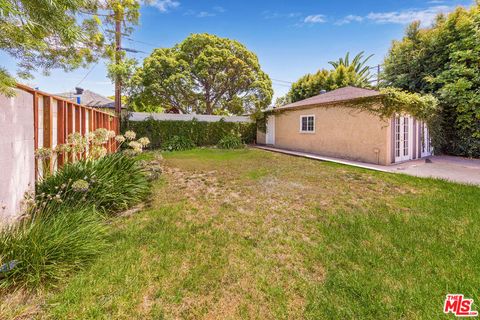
point(130, 135)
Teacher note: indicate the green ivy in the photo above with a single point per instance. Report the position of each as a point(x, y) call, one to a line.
point(199, 132)
point(391, 101)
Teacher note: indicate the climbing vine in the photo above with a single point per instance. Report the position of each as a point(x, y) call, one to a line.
point(391, 101)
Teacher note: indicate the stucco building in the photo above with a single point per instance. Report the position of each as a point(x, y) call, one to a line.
point(328, 125)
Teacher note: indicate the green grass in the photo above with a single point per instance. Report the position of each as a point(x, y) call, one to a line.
point(251, 234)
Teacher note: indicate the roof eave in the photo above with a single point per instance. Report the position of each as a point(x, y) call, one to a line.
point(314, 105)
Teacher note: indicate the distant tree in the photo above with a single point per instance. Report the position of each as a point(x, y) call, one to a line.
point(283, 100)
point(345, 73)
point(358, 64)
point(205, 74)
point(444, 60)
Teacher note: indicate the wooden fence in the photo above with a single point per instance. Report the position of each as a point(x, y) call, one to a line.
point(54, 118)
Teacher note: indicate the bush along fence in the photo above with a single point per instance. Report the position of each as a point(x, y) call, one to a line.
point(208, 131)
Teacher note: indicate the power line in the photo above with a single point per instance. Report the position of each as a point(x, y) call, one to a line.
point(281, 85)
point(143, 42)
point(289, 82)
point(85, 77)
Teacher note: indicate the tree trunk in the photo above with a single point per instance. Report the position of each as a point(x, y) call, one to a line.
point(209, 109)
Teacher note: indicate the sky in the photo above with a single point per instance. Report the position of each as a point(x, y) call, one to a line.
point(290, 37)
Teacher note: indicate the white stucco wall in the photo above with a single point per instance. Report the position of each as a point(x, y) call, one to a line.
point(17, 160)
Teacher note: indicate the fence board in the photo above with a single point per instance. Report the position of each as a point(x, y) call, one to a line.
point(48, 127)
point(60, 129)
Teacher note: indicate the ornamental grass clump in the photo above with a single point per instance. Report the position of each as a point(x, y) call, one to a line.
point(43, 248)
point(110, 184)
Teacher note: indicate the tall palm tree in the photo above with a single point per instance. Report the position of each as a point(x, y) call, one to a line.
point(358, 64)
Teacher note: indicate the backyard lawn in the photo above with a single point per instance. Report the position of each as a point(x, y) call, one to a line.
point(252, 234)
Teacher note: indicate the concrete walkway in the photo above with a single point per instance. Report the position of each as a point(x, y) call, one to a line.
point(457, 169)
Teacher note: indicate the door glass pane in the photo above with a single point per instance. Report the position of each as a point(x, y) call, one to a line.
point(397, 137)
point(405, 136)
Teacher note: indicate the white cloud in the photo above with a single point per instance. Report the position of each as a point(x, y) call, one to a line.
point(219, 9)
point(350, 18)
point(425, 16)
point(277, 15)
point(205, 14)
point(317, 18)
point(164, 5)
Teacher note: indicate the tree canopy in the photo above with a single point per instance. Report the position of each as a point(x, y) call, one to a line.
point(46, 34)
point(66, 34)
point(205, 74)
point(444, 60)
point(345, 73)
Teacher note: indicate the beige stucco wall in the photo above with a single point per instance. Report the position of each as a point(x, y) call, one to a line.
point(340, 132)
point(17, 160)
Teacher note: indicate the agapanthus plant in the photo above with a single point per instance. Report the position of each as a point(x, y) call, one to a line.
point(91, 146)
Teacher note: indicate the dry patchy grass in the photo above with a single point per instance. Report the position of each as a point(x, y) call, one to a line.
point(251, 234)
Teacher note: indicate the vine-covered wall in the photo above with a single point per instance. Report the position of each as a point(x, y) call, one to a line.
point(201, 133)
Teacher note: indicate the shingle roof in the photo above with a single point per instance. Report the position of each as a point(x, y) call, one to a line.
point(338, 95)
point(89, 98)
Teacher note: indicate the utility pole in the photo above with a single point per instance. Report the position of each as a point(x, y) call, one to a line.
point(118, 57)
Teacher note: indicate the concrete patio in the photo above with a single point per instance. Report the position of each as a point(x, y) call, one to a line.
point(456, 169)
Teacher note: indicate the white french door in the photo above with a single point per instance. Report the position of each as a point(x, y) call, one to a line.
point(403, 138)
point(426, 148)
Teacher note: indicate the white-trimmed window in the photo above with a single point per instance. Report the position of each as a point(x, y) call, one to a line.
point(307, 124)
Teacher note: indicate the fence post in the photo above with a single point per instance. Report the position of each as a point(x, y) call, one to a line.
point(60, 129)
point(90, 120)
point(77, 126)
point(48, 128)
point(69, 126)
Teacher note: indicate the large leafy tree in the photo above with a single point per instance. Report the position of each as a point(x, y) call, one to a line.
point(345, 73)
point(66, 34)
point(444, 60)
point(205, 74)
point(46, 34)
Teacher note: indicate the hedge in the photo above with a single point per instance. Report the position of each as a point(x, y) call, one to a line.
point(200, 132)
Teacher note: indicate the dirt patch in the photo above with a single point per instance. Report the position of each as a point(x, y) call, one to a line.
point(21, 305)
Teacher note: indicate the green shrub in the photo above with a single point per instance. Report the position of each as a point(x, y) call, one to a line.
point(200, 132)
point(110, 184)
point(178, 143)
point(46, 248)
point(231, 141)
